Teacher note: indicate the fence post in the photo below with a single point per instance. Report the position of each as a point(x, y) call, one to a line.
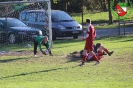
point(82, 15)
point(119, 25)
point(124, 28)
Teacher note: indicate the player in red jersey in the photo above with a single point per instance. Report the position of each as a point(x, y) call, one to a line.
point(100, 50)
point(90, 35)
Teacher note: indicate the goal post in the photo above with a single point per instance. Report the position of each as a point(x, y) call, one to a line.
point(13, 9)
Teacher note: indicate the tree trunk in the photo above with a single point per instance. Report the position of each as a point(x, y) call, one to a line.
point(104, 6)
point(110, 15)
point(65, 5)
point(101, 4)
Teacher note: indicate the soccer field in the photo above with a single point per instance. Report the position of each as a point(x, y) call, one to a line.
point(22, 70)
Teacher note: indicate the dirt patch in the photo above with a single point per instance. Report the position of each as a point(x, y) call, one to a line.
point(17, 53)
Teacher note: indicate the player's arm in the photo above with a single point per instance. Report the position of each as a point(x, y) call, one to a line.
point(86, 34)
point(48, 48)
point(40, 47)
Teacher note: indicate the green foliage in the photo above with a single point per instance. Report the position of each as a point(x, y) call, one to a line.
point(18, 6)
point(76, 5)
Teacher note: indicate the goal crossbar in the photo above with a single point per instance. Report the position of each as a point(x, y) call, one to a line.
point(35, 1)
point(16, 2)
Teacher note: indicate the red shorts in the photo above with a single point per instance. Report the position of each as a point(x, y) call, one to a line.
point(89, 45)
point(100, 55)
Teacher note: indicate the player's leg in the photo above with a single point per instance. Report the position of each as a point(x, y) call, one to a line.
point(99, 53)
point(89, 57)
point(84, 57)
point(102, 48)
point(91, 49)
point(107, 51)
point(86, 48)
point(35, 47)
point(94, 56)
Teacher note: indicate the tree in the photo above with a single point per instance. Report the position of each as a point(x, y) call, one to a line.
point(64, 5)
point(109, 11)
point(103, 5)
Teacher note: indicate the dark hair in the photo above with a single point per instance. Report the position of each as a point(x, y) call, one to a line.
point(98, 45)
point(88, 20)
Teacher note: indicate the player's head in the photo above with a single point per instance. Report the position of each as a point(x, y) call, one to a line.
point(88, 21)
point(98, 45)
point(45, 39)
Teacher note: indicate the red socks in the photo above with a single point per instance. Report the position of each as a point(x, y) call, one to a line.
point(106, 50)
point(84, 58)
point(100, 54)
point(95, 58)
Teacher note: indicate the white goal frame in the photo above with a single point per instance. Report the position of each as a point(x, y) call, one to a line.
point(49, 12)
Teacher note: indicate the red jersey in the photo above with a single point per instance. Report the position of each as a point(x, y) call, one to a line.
point(90, 31)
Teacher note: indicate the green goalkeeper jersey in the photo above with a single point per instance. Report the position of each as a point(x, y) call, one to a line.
point(40, 42)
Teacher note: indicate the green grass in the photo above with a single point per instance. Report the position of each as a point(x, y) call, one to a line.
point(95, 17)
point(101, 19)
point(59, 71)
point(114, 25)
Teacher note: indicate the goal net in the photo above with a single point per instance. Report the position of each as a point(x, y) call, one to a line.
point(36, 16)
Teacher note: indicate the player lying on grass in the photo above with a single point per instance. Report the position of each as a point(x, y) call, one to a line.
point(39, 41)
point(99, 50)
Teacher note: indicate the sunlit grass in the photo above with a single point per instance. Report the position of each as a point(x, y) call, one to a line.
point(101, 19)
point(59, 71)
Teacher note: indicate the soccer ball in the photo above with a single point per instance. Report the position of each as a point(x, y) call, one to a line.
point(28, 45)
point(46, 51)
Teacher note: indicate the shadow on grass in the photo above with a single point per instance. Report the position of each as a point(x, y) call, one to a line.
point(73, 59)
point(115, 37)
point(76, 58)
point(23, 74)
point(127, 40)
point(9, 60)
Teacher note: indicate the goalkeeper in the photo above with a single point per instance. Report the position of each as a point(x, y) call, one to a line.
point(39, 41)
